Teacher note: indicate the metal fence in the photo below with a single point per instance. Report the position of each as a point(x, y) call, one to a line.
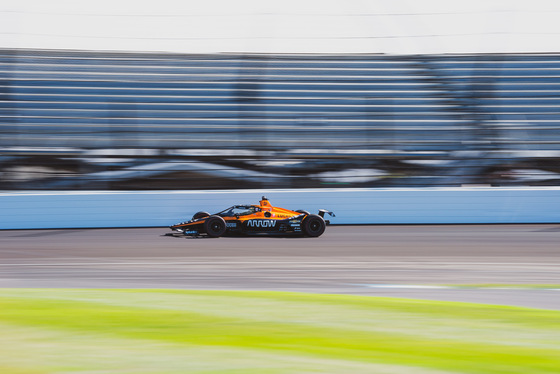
point(92, 120)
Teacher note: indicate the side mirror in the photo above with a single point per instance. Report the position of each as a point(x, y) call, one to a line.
point(267, 214)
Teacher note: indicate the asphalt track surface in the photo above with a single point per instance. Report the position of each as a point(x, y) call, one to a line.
point(418, 262)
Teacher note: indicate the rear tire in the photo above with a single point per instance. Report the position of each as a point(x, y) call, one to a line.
point(215, 226)
point(314, 225)
point(302, 211)
point(198, 215)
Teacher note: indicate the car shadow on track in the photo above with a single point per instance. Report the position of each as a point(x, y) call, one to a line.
point(198, 237)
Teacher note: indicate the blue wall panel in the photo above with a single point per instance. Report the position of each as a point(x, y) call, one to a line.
point(39, 210)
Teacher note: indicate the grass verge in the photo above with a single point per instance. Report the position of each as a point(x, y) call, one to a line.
point(177, 331)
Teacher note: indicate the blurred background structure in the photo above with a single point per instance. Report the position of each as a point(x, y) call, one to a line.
point(367, 94)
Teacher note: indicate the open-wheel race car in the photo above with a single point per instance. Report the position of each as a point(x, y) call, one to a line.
point(255, 219)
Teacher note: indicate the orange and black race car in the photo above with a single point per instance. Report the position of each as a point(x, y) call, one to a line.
point(255, 219)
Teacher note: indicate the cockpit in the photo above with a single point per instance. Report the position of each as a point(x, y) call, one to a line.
point(239, 210)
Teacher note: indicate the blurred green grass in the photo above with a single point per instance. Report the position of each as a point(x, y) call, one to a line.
point(178, 331)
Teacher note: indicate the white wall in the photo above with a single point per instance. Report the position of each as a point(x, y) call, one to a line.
point(37, 210)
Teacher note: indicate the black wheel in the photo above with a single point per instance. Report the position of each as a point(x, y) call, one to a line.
point(303, 211)
point(314, 225)
point(215, 226)
point(198, 215)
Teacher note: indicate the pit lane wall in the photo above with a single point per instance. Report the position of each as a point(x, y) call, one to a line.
point(42, 210)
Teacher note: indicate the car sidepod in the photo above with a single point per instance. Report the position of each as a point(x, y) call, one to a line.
point(271, 225)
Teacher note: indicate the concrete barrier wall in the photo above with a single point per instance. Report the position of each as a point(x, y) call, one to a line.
point(39, 210)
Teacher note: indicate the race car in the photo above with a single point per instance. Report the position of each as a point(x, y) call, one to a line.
point(255, 219)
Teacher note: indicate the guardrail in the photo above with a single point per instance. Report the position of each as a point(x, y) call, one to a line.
point(122, 120)
point(483, 205)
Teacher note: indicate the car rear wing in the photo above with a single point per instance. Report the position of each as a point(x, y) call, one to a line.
point(322, 214)
point(323, 211)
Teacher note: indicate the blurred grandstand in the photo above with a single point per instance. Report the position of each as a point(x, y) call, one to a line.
point(124, 120)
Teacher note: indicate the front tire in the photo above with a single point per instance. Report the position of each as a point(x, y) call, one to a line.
point(314, 225)
point(199, 215)
point(215, 226)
